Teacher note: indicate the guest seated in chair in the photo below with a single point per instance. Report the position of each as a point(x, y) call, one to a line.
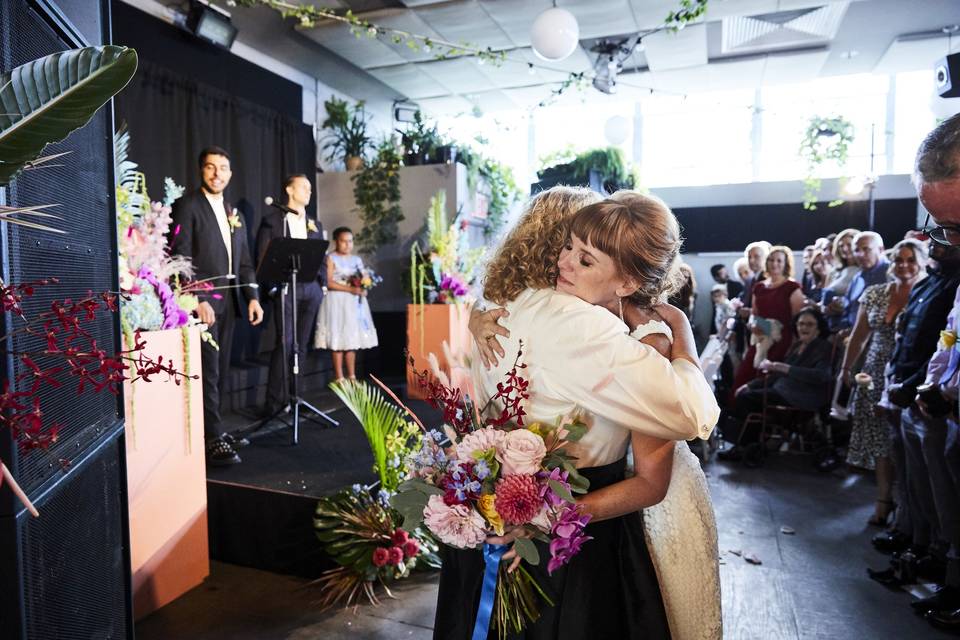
point(801, 381)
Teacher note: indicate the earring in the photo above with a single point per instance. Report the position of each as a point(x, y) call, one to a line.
point(620, 302)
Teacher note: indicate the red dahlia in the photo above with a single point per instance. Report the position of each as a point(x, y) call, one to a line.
point(518, 499)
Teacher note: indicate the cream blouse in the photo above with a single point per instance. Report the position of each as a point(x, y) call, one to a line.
point(579, 357)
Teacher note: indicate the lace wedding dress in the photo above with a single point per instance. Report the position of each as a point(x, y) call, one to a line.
point(681, 533)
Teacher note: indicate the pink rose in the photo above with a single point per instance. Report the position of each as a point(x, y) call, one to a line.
point(521, 453)
point(396, 555)
point(458, 526)
point(380, 556)
point(411, 548)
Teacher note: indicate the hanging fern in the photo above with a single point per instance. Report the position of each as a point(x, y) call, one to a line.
point(826, 139)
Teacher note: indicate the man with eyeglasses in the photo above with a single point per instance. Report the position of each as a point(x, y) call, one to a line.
point(929, 431)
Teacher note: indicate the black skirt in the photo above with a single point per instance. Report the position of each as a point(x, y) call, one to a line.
point(608, 590)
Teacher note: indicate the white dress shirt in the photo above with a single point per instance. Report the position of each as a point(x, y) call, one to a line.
point(297, 226)
point(221, 214)
point(579, 356)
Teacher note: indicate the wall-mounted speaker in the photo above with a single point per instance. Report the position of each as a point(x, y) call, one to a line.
point(947, 76)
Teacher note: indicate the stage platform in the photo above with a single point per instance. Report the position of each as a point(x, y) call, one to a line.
point(260, 511)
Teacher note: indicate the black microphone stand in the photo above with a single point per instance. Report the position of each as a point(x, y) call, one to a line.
point(296, 402)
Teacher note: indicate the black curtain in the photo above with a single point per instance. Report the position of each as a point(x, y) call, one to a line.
point(171, 117)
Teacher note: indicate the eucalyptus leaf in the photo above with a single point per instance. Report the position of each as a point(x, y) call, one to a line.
point(416, 484)
point(54, 95)
point(527, 550)
point(578, 484)
point(575, 431)
point(560, 490)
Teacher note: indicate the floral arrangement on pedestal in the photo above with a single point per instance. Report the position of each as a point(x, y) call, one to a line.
point(357, 527)
point(446, 271)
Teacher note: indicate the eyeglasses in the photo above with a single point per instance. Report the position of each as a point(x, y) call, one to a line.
point(942, 234)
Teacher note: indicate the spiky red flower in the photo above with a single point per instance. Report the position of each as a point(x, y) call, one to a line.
point(518, 499)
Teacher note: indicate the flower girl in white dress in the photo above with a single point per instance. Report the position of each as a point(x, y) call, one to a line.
point(344, 323)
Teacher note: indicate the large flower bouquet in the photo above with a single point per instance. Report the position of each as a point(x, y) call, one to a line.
point(497, 476)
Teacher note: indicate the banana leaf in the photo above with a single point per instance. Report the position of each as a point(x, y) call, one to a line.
point(42, 101)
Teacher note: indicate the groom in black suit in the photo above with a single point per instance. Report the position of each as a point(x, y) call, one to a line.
point(209, 231)
point(292, 222)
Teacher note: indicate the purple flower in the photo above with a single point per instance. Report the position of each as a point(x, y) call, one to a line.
point(546, 493)
point(453, 285)
point(568, 536)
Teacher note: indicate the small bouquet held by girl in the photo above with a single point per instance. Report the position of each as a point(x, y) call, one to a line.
point(498, 476)
point(364, 278)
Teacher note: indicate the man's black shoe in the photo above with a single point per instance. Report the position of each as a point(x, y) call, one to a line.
point(945, 600)
point(733, 454)
point(946, 620)
point(221, 454)
point(235, 441)
point(890, 541)
point(887, 577)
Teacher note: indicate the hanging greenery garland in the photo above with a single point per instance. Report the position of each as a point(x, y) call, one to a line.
point(826, 139)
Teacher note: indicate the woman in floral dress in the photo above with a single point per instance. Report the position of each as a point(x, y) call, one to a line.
point(876, 322)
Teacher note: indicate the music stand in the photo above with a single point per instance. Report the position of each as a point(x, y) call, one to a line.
point(289, 260)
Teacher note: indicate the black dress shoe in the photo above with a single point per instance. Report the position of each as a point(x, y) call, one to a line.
point(235, 441)
point(945, 600)
point(887, 577)
point(890, 541)
point(932, 568)
point(733, 454)
point(221, 454)
point(946, 620)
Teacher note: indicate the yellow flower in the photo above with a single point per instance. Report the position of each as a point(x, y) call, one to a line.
point(537, 428)
point(948, 338)
point(488, 511)
point(311, 226)
point(234, 221)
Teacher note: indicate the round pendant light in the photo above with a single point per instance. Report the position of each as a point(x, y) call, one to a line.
point(554, 34)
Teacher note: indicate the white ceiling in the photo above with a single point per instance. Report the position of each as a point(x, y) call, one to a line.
point(739, 44)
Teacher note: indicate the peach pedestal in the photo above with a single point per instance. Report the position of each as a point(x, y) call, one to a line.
point(440, 329)
point(166, 478)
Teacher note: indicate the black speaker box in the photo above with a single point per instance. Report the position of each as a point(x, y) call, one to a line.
point(66, 574)
point(947, 76)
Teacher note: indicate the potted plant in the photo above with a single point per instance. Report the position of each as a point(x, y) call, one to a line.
point(419, 141)
point(347, 137)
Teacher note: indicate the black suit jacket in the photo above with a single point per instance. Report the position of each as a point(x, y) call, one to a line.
point(195, 234)
point(273, 227)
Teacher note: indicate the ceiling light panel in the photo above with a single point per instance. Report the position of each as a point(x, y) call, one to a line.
point(459, 75)
point(514, 18)
point(409, 21)
point(598, 18)
point(465, 21)
point(685, 48)
point(409, 80)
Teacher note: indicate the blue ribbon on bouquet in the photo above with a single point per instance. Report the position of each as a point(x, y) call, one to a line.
point(491, 558)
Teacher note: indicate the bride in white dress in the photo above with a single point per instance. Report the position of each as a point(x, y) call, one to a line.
point(680, 531)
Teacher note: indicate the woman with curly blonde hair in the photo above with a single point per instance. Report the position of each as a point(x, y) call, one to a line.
point(571, 305)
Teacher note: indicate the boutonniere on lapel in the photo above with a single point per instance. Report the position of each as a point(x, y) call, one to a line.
point(311, 226)
point(234, 221)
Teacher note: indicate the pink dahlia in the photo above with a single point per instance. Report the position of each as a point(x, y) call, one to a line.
point(380, 556)
point(479, 440)
point(411, 548)
point(518, 499)
point(457, 525)
point(396, 555)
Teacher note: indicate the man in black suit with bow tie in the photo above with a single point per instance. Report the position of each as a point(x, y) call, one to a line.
point(290, 222)
point(210, 232)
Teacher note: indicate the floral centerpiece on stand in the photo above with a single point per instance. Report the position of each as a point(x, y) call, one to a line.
point(357, 527)
point(498, 475)
point(445, 272)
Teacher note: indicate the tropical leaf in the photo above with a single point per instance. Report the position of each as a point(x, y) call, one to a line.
point(44, 100)
point(378, 418)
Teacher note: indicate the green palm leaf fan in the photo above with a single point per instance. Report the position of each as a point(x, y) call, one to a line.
point(42, 101)
point(378, 418)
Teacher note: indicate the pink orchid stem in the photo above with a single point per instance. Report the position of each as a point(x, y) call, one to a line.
point(17, 491)
point(397, 400)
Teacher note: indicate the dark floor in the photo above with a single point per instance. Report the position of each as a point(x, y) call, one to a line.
point(810, 585)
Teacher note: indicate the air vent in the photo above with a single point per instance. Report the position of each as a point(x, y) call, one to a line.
point(783, 29)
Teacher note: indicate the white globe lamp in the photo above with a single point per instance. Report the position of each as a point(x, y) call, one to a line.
point(554, 34)
point(616, 130)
